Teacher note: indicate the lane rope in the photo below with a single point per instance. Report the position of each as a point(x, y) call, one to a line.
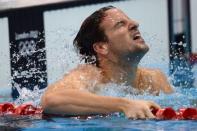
point(167, 113)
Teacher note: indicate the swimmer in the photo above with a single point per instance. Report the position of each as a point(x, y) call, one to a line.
point(112, 46)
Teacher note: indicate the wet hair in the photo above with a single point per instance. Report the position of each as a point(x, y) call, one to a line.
point(90, 33)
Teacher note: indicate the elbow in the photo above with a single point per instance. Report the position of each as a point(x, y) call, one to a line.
point(55, 102)
point(46, 103)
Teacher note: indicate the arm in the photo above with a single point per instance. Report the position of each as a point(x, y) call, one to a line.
point(71, 96)
point(75, 102)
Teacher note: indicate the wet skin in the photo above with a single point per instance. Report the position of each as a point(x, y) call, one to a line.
point(76, 92)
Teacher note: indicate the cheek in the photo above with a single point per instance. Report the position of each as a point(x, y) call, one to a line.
point(121, 39)
point(118, 34)
point(121, 44)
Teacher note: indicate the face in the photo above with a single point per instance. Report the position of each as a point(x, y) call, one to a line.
point(124, 39)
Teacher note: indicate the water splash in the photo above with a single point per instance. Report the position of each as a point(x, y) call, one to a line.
point(29, 96)
point(181, 97)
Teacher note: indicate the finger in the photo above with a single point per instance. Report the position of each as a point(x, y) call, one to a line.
point(141, 115)
point(149, 114)
point(131, 117)
point(153, 105)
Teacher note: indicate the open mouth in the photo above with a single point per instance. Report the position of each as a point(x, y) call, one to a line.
point(137, 36)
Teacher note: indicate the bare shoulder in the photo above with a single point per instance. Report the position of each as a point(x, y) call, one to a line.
point(159, 79)
point(151, 71)
point(86, 70)
point(82, 77)
point(155, 73)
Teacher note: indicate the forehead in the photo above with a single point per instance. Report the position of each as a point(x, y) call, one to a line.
point(112, 16)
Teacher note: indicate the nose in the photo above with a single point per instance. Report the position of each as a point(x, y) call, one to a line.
point(133, 25)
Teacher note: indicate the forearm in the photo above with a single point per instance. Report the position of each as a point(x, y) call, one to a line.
point(74, 102)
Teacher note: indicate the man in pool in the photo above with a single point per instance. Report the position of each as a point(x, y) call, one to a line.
point(112, 47)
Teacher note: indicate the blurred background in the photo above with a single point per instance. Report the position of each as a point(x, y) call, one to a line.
point(36, 39)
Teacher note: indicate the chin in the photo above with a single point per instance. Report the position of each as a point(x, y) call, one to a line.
point(141, 52)
point(146, 49)
point(142, 49)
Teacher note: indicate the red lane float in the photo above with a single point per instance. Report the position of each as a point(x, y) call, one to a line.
point(6, 108)
point(188, 113)
point(193, 58)
point(24, 109)
point(27, 109)
point(167, 113)
point(170, 114)
point(163, 114)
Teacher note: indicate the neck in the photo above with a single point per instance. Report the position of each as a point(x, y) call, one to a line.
point(118, 72)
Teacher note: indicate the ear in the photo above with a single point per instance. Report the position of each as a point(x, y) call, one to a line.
point(101, 48)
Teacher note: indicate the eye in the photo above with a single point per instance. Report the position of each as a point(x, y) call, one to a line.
point(120, 23)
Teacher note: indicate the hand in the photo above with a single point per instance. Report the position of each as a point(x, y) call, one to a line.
point(139, 109)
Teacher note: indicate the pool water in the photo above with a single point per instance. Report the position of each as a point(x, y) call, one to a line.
point(114, 122)
point(182, 97)
point(109, 123)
